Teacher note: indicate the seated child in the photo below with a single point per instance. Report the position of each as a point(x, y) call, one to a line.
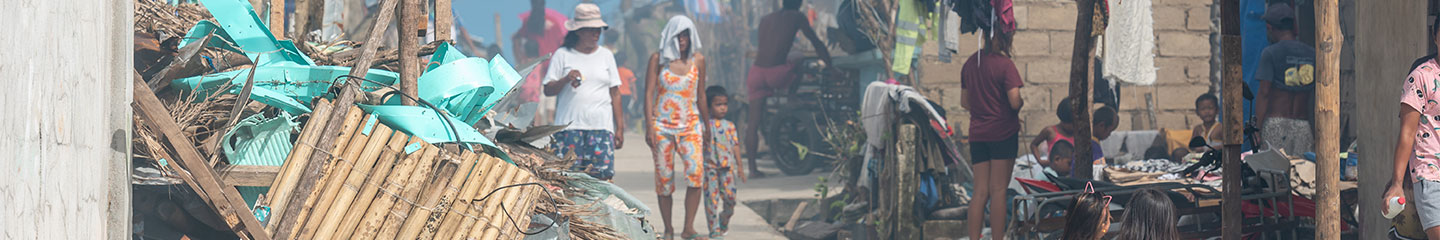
point(721, 164)
point(1105, 121)
point(1207, 107)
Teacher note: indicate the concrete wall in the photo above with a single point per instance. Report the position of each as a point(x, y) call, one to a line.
point(1043, 45)
point(65, 127)
point(1391, 36)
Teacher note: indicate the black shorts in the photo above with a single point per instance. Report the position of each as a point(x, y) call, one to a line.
point(1004, 149)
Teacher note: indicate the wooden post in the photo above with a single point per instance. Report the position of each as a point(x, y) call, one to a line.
point(1080, 86)
point(1232, 87)
point(342, 106)
point(411, 17)
point(223, 196)
point(309, 14)
point(444, 20)
point(500, 42)
point(277, 19)
point(1327, 118)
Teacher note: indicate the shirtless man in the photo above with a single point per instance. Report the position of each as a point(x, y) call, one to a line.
point(1286, 73)
point(771, 71)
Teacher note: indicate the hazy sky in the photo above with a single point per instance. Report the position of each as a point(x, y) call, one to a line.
point(479, 15)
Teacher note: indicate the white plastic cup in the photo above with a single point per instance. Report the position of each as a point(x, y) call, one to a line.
point(1393, 207)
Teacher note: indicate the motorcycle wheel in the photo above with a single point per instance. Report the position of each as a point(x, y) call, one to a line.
point(782, 134)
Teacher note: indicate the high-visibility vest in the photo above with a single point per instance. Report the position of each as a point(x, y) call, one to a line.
point(908, 36)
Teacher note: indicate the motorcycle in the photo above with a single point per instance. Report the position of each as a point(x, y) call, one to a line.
point(795, 117)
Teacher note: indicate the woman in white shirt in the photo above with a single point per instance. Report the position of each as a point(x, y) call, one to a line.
point(584, 77)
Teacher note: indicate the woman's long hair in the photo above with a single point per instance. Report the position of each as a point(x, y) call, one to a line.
point(571, 38)
point(1085, 217)
point(1149, 215)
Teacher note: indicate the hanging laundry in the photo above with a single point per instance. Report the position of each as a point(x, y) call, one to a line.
point(975, 15)
point(1101, 19)
point(908, 36)
point(705, 10)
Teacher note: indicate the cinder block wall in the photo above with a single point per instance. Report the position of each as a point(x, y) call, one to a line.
point(1043, 45)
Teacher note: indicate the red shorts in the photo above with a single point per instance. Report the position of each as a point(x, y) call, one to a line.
point(762, 82)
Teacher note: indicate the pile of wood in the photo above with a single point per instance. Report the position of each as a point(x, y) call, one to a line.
point(384, 184)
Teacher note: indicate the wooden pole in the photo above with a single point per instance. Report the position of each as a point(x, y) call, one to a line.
point(1080, 86)
point(362, 202)
point(500, 42)
point(277, 19)
point(1230, 224)
point(349, 136)
point(343, 103)
point(309, 15)
point(1327, 118)
point(411, 16)
point(444, 21)
point(224, 197)
point(289, 175)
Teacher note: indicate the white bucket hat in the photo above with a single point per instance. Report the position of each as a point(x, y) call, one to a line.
point(587, 15)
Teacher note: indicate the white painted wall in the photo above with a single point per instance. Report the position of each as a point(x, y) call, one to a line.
point(65, 68)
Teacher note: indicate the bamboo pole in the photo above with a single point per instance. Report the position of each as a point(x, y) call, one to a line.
point(280, 190)
point(487, 213)
point(502, 215)
point(473, 207)
point(389, 194)
point(366, 196)
point(352, 182)
point(411, 195)
point(343, 103)
point(343, 148)
point(444, 20)
point(282, 209)
point(460, 179)
point(360, 155)
point(462, 207)
point(411, 16)
point(1230, 225)
point(521, 206)
point(431, 198)
point(1327, 119)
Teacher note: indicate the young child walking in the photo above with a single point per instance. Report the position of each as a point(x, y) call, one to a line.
point(721, 164)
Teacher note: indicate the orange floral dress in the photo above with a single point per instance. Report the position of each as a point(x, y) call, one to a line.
point(678, 125)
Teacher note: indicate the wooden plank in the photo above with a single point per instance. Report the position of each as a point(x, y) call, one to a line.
point(343, 103)
point(372, 187)
point(1327, 119)
point(226, 199)
point(795, 216)
point(411, 194)
point(444, 20)
point(248, 175)
point(411, 17)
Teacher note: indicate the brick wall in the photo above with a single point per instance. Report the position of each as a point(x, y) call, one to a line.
point(1042, 49)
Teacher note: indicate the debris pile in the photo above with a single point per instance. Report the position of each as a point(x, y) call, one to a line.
point(254, 137)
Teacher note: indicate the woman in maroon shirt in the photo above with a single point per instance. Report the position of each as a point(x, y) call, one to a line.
point(992, 95)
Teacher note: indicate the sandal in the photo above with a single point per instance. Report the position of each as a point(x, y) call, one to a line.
point(695, 236)
point(717, 236)
point(665, 236)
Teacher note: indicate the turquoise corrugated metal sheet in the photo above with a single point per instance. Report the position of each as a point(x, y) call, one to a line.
point(262, 141)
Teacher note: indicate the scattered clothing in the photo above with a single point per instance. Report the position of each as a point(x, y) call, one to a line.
point(1420, 94)
point(1289, 64)
point(1293, 136)
point(986, 78)
point(587, 107)
point(763, 82)
point(593, 149)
